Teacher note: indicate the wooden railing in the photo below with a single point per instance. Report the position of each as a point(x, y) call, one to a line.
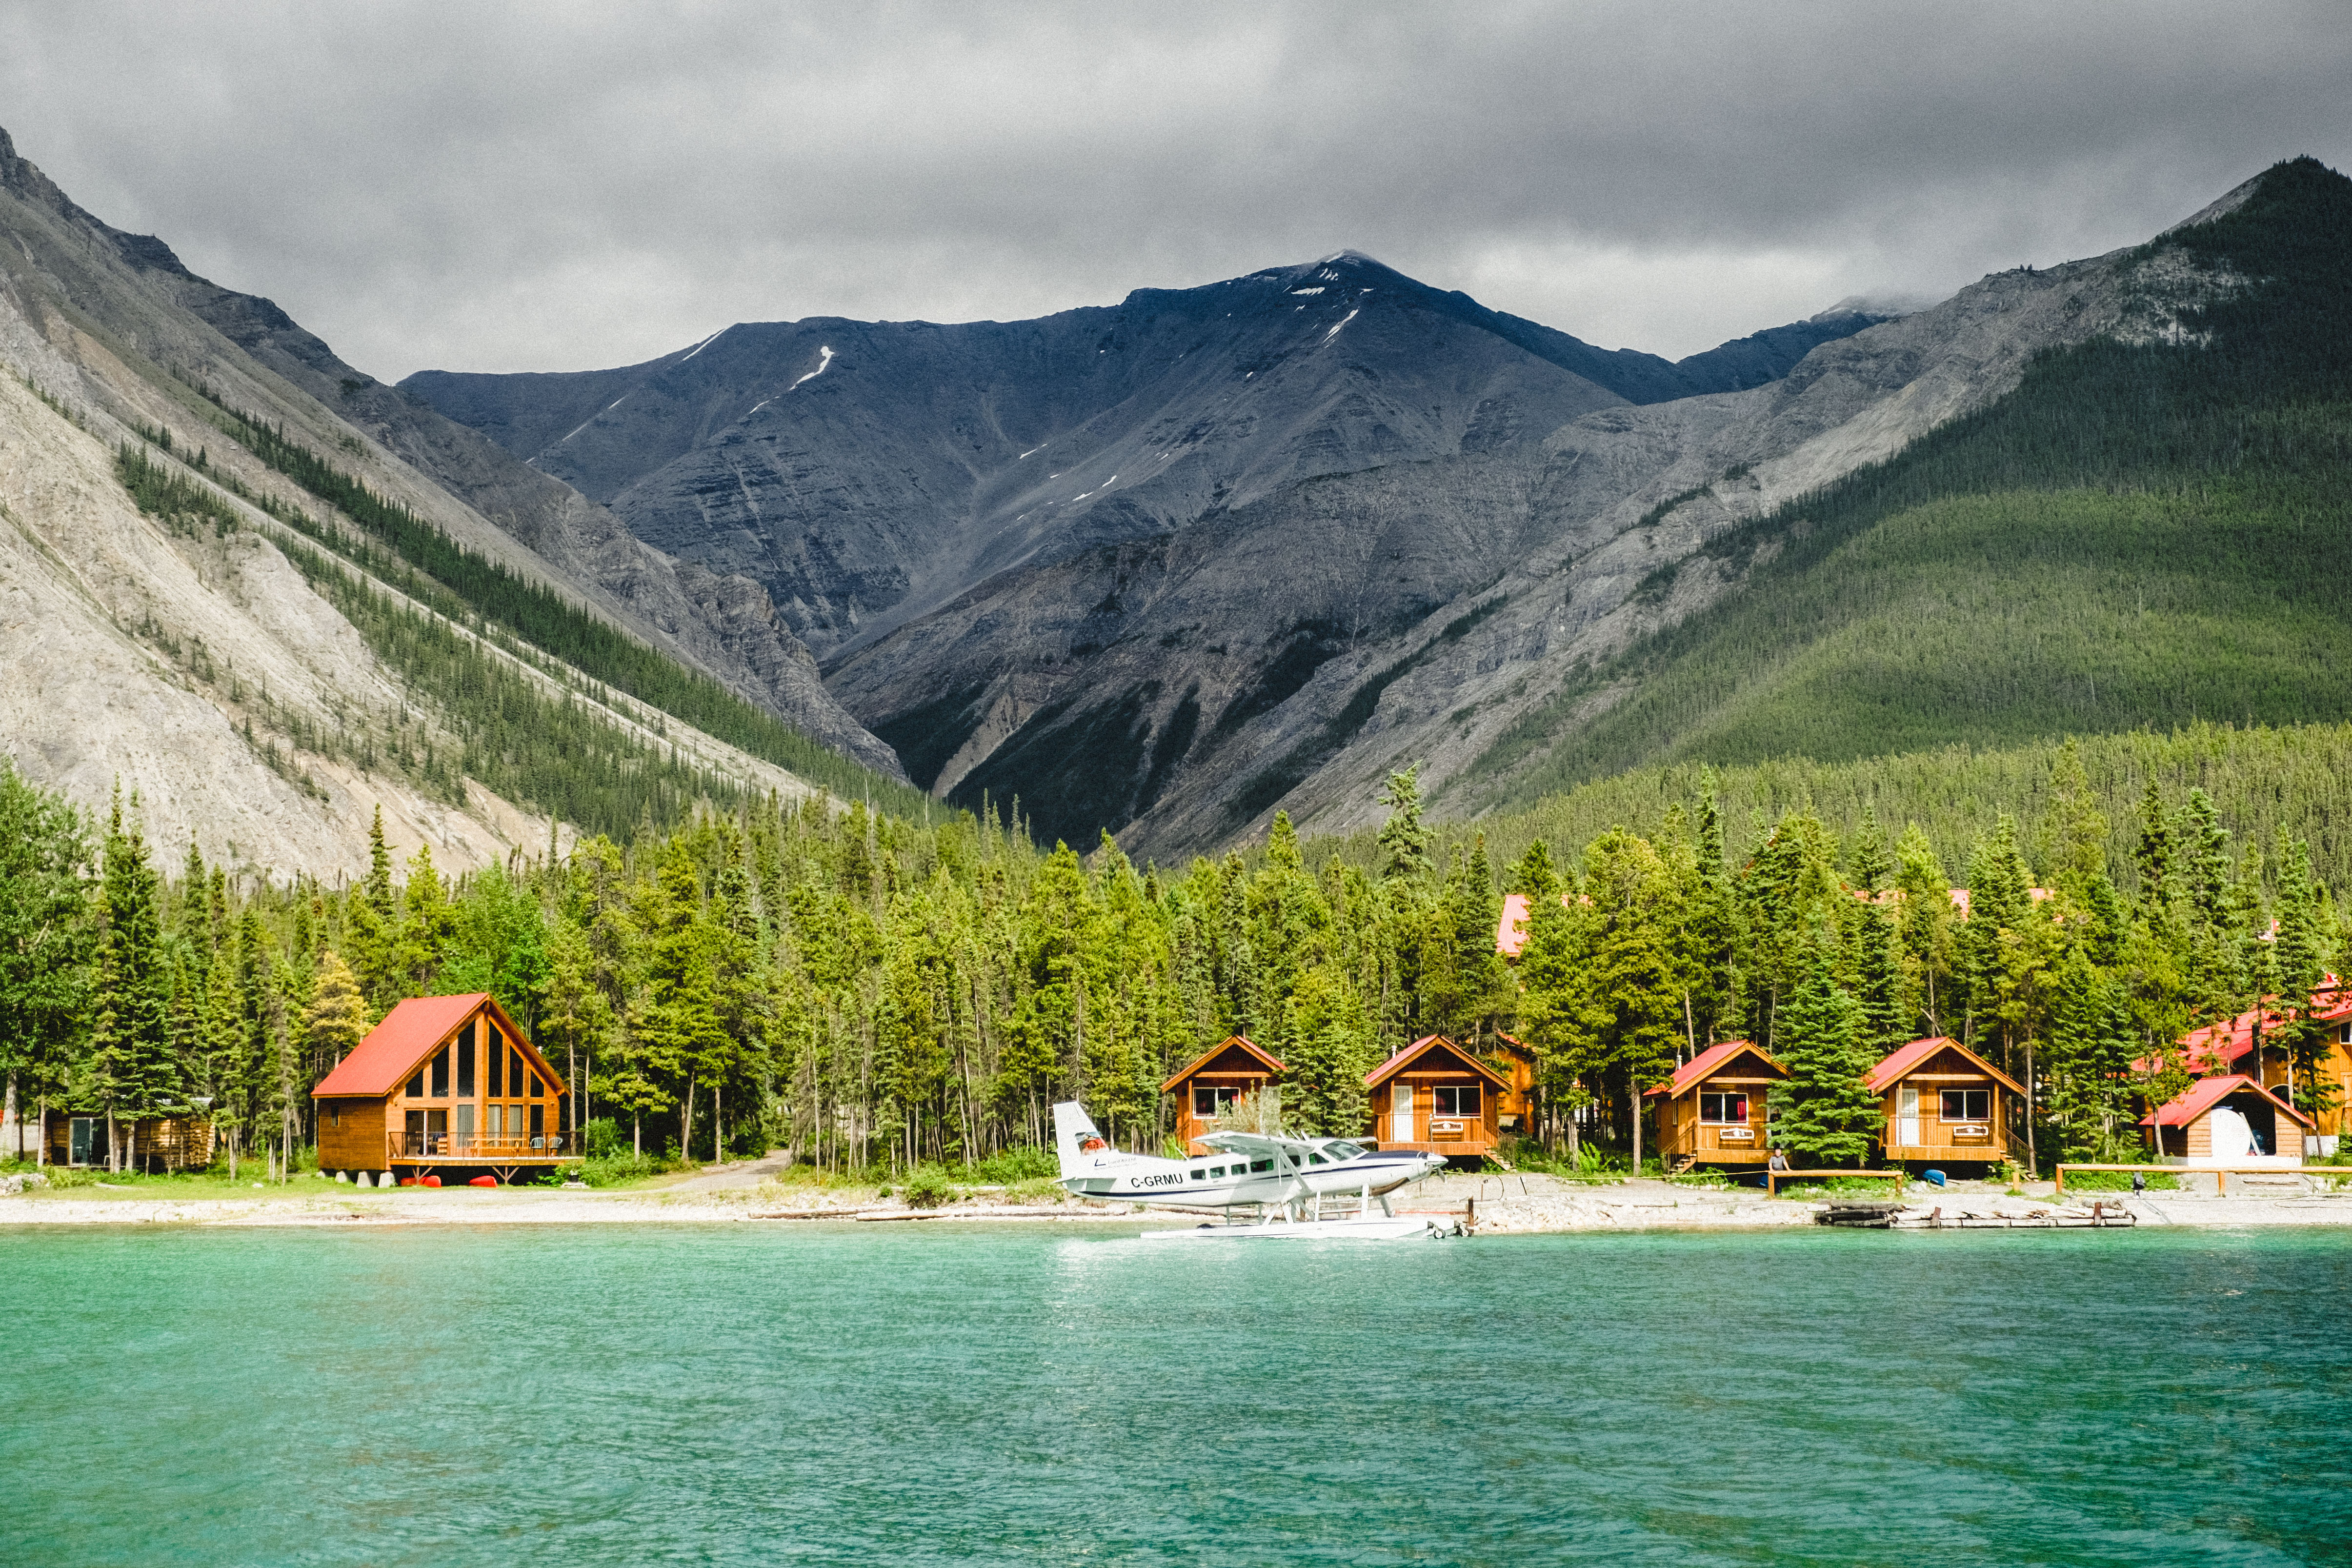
point(488, 1147)
point(2220, 1174)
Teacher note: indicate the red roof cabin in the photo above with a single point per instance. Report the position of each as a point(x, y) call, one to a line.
point(1712, 1111)
point(444, 1086)
point(2227, 1121)
point(1436, 1098)
point(1942, 1104)
point(2229, 1046)
point(1231, 1070)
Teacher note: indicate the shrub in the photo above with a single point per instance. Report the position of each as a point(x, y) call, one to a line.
point(1017, 1165)
point(928, 1188)
point(2119, 1181)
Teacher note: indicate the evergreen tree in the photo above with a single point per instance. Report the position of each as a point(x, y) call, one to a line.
point(1829, 1117)
point(1405, 842)
point(130, 1070)
point(46, 931)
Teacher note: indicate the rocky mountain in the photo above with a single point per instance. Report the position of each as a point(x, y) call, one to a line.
point(1300, 638)
point(213, 672)
point(867, 473)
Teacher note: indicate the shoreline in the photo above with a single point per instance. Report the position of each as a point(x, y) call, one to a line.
point(1500, 1205)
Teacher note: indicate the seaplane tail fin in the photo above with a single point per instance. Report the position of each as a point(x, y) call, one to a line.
point(1075, 1138)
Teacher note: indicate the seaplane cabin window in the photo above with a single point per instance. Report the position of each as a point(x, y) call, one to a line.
point(1456, 1100)
point(1315, 1159)
point(1209, 1099)
point(1967, 1105)
point(1261, 1164)
point(1732, 1107)
point(1199, 1175)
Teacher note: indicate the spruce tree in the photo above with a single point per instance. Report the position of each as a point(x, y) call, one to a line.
point(1405, 842)
point(130, 1072)
point(1828, 1116)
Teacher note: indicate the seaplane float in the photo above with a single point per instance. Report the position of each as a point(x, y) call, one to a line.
point(1283, 1180)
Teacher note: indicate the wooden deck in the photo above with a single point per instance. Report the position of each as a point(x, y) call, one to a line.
point(476, 1149)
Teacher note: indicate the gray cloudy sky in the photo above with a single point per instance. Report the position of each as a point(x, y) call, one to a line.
point(532, 186)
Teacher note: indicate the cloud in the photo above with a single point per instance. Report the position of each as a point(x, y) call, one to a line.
point(543, 187)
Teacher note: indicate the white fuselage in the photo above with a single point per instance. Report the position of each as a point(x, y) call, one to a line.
point(1302, 1169)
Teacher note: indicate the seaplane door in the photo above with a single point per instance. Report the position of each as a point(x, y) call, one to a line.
point(1907, 1116)
point(1400, 1113)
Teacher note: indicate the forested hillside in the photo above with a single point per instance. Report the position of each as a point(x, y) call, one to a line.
point(869, 991)
point(2140, 534)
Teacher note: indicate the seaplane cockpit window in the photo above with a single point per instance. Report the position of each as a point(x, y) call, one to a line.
point(1315, 1159)
point(1261, 1164)
point(1341, 1151)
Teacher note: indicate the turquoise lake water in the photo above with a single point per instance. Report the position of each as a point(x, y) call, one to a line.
point(857, 1394)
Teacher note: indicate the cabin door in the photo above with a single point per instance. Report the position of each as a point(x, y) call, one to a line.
point(1907, 1116)
point(83, 1138)
point(1400, 1113)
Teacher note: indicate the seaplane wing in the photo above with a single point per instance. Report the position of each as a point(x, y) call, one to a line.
point(1246, 1168)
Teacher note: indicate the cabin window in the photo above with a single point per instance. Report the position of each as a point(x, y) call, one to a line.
point(416, 1085)
point(1216, 1171)
point(514, 1072)
point(468, 1046)
point(1315, 1159)
point(334, 1118)
point(1199, 1175)
point(441, 1074)
point(1209, 1099)
point(1261, 1164)
point(1457, 1099)
point(538, 1125)
point(1731, 1107)
point(1967, 1105)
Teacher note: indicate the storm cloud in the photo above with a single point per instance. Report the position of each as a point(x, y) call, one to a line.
point(555, 186)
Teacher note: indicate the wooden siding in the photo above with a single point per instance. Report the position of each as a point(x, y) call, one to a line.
point(156, 1143)
point(370, 1132)
point(1234, 1068)
point(1941, 1139)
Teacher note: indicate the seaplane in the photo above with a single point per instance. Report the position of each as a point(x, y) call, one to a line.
point(1284, 1180)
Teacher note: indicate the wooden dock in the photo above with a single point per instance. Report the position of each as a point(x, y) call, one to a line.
point(1999, 1214)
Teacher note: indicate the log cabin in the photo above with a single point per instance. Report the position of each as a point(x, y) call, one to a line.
point(1438, 1099)
point(154, 1145)
point(1944, 1103)
point(1712, 1111)
point(446, 1086)
point(2229, 1120)
point(1229, 1070)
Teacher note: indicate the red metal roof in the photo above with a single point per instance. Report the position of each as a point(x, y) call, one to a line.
point(1405, 1058)
point(2216, 1048)
point(411, 1032)
point(1707, 1062)
point(2205, 1094)
point(1903, 1060)
point(1197, 1063)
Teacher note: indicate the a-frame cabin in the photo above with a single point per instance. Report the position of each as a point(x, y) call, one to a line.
point(446, 1086)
